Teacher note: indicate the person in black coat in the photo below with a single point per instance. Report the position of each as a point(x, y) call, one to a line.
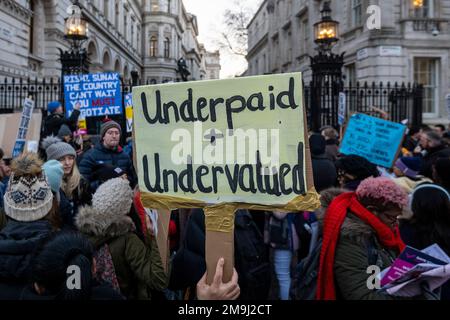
point(51, 273)
point(251, 257)
point(430, 223)
point(56, 119)
point(324, 171)
point(31, 214)
point(108, 151)
point(433, 149)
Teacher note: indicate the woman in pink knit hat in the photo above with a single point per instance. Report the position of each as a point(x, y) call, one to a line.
point(360, 229)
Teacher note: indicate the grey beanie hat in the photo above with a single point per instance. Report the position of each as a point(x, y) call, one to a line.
point(64, 131)
point(56, 149)
point(108, 125)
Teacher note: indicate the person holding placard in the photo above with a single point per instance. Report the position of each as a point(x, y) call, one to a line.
point(56, 119)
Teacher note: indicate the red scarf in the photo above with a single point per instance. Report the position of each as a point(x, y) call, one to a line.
point(334, 218)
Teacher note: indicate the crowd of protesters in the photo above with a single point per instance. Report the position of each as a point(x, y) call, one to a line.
point(78, 204)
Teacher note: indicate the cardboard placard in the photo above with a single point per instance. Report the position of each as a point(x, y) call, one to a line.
point(223, 145)
point(9, 126)
point(375, 139)
point(129, 111)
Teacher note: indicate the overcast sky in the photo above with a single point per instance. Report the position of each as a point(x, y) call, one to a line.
point(210, 18)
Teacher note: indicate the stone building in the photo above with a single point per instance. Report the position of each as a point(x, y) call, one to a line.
point(412, 44)
point(147, 36)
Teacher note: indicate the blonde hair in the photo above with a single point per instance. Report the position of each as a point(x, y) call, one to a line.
point(71, 182)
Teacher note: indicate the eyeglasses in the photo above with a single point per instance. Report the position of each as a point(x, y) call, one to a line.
point(389, 217)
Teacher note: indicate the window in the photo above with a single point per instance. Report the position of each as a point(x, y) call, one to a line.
point(132, 35)
point(106, 8)
point(31, 34)
point(153, 46)
point(423, 8)
point(351, 74)
point(166, 48)
point(256, 67)
point(154, 5)
point(116, 19)
point(169, 6)
point(356, 13)
point(264, 63)
point(426, 72)
point(125, 26)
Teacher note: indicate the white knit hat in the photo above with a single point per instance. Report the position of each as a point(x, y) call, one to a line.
point(114, 197)
point(28, 196)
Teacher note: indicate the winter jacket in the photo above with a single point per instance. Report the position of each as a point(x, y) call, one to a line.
point(279, 231)
point(324, 172)
point(409, 184)
point(352, 257)
point(18, 241)
point(81, 196)
point(332, 150)
point(429, 159)
point(26, 292)
point(351, 260)
point(250, 255)
point(137, 265)
point(102, 155)
point(54, 122)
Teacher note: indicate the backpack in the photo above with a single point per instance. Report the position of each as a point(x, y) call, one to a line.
point(105, 271)
point(304, 284)
point(251, 258)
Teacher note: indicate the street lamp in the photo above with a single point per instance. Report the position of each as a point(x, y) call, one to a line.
point(326, 30)
point(326, 72)
point(75, 61)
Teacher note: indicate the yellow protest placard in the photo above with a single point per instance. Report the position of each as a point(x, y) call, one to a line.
point(224, 141)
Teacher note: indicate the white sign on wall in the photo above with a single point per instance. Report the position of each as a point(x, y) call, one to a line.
point(395, 51)
point(362, 54)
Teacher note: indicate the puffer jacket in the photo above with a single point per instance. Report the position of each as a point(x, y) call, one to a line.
point(102, 155)
point(137, 265)
point(18, 242)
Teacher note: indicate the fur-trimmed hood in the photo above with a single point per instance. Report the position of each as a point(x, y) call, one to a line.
point(102, 224)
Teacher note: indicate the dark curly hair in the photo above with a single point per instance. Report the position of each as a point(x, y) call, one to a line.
point(357, 166)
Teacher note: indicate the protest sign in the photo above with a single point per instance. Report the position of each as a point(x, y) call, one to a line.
point(129, 111)
point(97, 94)
point(27, 112)
point(342, 110)
point(223, 145)
point(375, 139)
point(9, 127)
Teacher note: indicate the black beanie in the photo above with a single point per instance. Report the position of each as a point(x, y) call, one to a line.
point(317, 144)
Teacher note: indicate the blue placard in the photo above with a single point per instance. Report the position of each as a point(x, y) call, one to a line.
point(98, 94)
point(375, 139)
point(19, 146)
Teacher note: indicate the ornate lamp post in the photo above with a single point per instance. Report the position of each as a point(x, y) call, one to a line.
point(75, 61)
point(326, 71)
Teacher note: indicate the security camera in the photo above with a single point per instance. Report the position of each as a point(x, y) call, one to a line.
point(435, 32)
